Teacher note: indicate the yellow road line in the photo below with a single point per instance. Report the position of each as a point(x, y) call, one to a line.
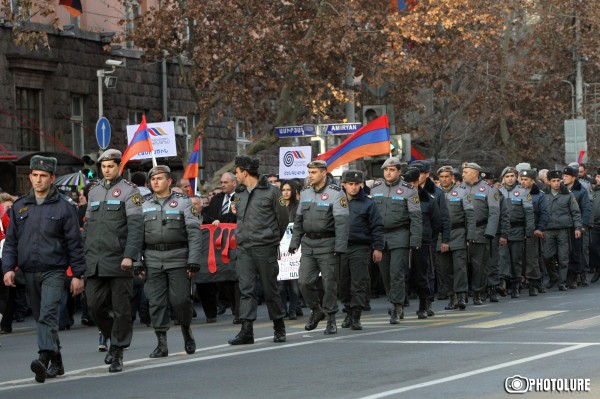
point(515, 319)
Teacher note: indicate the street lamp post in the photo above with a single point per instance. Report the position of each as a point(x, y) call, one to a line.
point(572, 98)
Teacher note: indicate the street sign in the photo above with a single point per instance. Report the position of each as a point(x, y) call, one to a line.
point(293, 131)
point(340, 128)
point(103, 133)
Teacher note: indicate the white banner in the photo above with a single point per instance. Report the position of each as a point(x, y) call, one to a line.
point(162, 135)
point(293, 162)
point(288, 264)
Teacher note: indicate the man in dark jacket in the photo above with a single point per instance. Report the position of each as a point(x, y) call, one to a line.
point(262, 219)
point(43, 239)
point(366, 233)
point(114, 235)
point(595, 240)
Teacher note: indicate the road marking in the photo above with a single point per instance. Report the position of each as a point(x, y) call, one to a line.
point(474, 342)
point(514, 319)
point(578, 324)
point(474, 372)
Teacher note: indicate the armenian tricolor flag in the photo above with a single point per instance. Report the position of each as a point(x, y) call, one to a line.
point(371, 139)
point(191, 170)
point(73, 7)
point(139, 143)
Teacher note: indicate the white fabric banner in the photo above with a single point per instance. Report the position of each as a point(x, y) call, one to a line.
point(293, 162)
point(162, 135)
point(288, 264)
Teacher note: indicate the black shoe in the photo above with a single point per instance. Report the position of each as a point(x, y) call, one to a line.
point(161, 349)
point(596, 276)
point(562, 287)
point(452, 304)
point(477, 299)
point(221, 310)
point(279, 331)
point(117, 364)
point(356, 325)
point(406, 302)
point(237, 321)
point(245, 336)
point(331, 326)
point(501, 288)
point(40, 366)
point(108, 359)
point(315, 317)
point(461, 304)
point(514, 293)
point(86, 321)
point(56, 366)
point(422, 312)
point(551, 283)
point(442, 297)
point(348, 319)
point(572, 285)
point(493, 295)
point(583, 280)
point(533, 291)
point(396, 313)
point(189, 343)
point(430, 312)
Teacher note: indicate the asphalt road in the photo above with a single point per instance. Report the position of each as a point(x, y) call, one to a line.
point(456, 354)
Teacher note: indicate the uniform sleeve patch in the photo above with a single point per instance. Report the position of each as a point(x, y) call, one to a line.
point(344, 202)
point(281, 201)
point(497, 196)
point(416, 199)
point(529, 197)
point(194, 210)
point(137, 199)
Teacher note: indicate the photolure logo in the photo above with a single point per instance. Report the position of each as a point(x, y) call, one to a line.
point(519, 384)
point(290, 156)
point(156, 131)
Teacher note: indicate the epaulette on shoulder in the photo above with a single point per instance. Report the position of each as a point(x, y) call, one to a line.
point(405, 184)
point(463, 186)
point(66, 198)
point(334, 187)
point(147, 197)
point(181, 195)
point(130, 184)
point(240, 188)
point(377, 183)
point(306, 188)
point(488, 184)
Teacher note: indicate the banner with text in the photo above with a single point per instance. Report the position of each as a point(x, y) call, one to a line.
point(293, 162)
point(162, 135)
point(288, 264)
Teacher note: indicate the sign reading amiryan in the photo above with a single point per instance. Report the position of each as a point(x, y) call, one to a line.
point(162, 135)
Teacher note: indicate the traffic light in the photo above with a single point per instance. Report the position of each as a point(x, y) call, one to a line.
point(396, 145)
point(90, 161)
point(89, 174)
point(372, 112)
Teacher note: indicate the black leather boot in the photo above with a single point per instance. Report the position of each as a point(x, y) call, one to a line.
point(161, 350)
point(189, 342)
point(493, 294)
point(515, 290)
point(596, 275)
point(56, 366)
point(462, 301)
point(40, 366)
point(502, 288)
point(452, 303)
point(331, 326)
point(540, 286)
point(245, 336)
point(117, 364)
point(583, 279)
point(396, 312)
point(348, 319)
point(422, 312)
point(108, 359)
point(316, 315)
point(430, 312)
point(356, 325)
point(278, 331)
point(533, 291)
point(477, 299)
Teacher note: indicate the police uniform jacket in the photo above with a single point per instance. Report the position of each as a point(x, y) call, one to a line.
point(504, 222)
point(583, 200)
point(114, 227)
point(485, 201)
point(462, 217)
point(43, 237)
point(172, 236)
point(262, 217)
point(596, 205)
point(440, 199)
point(366, 224)
point(398, 204)
point(563, 209)
point(520, 212)
point(540, 207)
point(321, 224)
point(430, 213)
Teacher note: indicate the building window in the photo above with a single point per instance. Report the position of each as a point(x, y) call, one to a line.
point(28, 112)
point(135, 117)
point(77, 124)
point(243, 130)
point(133, 10)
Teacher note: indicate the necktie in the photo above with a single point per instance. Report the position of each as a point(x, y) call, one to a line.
point(225, 207)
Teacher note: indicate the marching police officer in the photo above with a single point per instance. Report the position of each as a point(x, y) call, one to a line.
point(172, 254)
point(43, 239)
point(398, 205)
point(485, 201)
point(565, 217)
point(453, 263)
point(322, 227)
point(522, 224)
point(114, 235)
point(262, 219)
point(366, 234)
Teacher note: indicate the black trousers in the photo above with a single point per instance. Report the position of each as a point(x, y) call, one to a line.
point(207, 295)
point(420, 271)
point(353, 276)
point(109, 302)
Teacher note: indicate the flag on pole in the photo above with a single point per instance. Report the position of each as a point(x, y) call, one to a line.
point(139, 143)
point(580, 158)
point(191, 170)
point(73, 7)
point(415, 155)
point(371, 139)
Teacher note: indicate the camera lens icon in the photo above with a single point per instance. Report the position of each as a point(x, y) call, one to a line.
point(516, 384)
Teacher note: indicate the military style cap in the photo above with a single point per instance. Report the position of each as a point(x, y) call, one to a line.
point(509, 169)
point(487, 174)
point(411, 175)
point(110, 155)
point(393, 161)
point(570, 171)
point(574, 165)
point(352, 176)
point(157, 170)
point(47, 164)
point(472, 165)
point(446, 168)
point(554, 174)
point(523, 166)
point(247, 163)
point(423, 166)
point(317, 164)
point(532, 174)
